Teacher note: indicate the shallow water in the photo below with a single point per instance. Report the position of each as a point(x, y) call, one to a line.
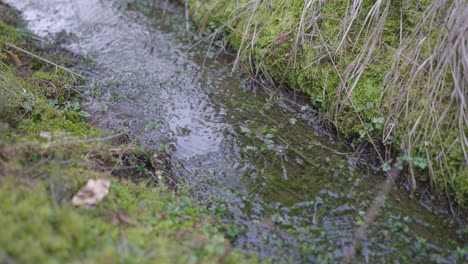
point(292, 193)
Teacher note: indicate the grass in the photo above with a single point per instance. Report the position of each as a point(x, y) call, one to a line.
point(386, 73)
point(48, 150)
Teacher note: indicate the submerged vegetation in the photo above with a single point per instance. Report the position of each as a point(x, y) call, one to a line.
point(391, 74)
point(48, 150)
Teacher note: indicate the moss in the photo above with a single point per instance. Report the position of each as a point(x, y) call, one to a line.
point(10, 34)
point(461, 186)
point(160, 226)
point(8, 107)
point(140, 221)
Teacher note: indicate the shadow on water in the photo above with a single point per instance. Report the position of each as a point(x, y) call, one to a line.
point(291, 193)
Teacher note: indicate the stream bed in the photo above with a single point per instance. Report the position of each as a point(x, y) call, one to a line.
point(289, 190)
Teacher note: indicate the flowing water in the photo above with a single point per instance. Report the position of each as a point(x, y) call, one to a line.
point(291, 192)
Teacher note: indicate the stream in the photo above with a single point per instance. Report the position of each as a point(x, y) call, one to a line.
point(291, 192)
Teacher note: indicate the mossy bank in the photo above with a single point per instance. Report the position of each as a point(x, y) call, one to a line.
point(386, 73)
point(48, 150)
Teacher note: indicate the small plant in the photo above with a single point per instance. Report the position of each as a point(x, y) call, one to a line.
point(385, 167)
point(104, 108)
point(371, 128)
point(90, 59)
point(96, 90)
point(417, 162)
point(151, 126)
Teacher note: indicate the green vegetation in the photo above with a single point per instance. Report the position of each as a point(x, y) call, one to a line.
point(389, 73)
point(48, 151)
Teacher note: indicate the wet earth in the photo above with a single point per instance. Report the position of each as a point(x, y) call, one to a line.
point(290, 192)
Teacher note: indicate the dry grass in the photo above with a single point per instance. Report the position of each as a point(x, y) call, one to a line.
point(436, 54)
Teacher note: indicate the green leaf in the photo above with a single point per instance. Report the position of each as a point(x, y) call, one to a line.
point(385, 167)
point(378, 120)
point(420, 163)
point(244, 129)
point(75, 106)
point(27, 106)
point(84, 114)
point(52, 102)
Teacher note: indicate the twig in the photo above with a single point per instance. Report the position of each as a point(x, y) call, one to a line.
point(371, 214)
point(84, 141)
point(45, 60)
point(187, 26)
